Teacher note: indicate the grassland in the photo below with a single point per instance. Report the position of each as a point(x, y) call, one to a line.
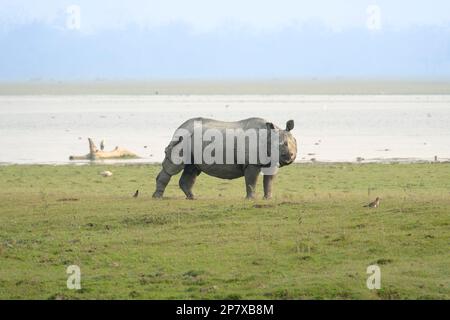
point(314, 240)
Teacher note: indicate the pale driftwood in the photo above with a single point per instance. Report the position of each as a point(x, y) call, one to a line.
point(96, 154)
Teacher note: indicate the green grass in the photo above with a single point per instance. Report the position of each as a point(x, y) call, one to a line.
point(314, 240)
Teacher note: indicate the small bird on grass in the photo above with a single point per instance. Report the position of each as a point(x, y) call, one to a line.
point(136, 194)
point(374, 204)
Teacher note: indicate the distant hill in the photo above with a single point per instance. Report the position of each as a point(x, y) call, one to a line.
point(44, 52)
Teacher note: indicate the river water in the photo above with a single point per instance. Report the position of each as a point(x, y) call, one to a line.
point(48, 129)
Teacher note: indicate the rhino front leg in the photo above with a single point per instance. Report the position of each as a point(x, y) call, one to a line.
point(162, 180)
point(187, 180)
point(251, 177)
point(268, 182)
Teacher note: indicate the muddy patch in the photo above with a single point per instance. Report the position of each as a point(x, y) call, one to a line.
point(261, 206)
point(146, 220)
point(67, 199)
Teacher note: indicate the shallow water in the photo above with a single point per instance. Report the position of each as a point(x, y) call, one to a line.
point(48, 129)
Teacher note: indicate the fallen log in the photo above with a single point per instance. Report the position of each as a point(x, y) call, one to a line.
point(96, 154)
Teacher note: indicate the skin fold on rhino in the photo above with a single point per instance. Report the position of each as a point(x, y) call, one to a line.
point(287, 149)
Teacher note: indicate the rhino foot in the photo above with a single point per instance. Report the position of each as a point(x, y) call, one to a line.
point(157, 195)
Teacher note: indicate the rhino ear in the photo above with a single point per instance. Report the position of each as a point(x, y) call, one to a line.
point(270, 125)
point(289, 125)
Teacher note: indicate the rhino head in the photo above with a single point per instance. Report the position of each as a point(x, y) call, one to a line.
point(287, 143)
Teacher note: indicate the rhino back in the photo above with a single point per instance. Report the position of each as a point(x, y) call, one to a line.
point(250, 123)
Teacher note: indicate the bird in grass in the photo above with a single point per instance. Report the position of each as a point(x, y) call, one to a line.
point(136, 194)
point(102, 145)
point(374, 204)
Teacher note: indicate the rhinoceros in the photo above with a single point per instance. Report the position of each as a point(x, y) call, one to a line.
point(284, 147)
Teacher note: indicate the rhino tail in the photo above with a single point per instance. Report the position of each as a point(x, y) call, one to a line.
point(172, 144)
point(169, 166)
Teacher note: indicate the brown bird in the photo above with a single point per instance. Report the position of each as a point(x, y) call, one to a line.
point(136, 194)
point(374, 204)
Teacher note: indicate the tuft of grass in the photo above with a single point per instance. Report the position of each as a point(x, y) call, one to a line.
point(313, 240)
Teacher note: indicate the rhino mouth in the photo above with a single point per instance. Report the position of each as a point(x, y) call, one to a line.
point(285, 162)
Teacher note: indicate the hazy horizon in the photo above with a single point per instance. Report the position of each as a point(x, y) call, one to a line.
point(141, 40)
point(227, 87)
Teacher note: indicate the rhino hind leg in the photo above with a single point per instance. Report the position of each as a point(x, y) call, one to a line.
point(168, 170)
point(162, 180)
point(187, 180)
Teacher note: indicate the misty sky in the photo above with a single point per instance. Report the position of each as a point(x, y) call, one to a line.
point(142, 39)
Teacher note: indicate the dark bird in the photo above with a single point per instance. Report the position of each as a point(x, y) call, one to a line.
point(136, 194)
point(374, 204)
point(102, 145)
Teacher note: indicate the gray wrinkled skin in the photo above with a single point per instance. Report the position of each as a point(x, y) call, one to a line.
point(287, 154)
